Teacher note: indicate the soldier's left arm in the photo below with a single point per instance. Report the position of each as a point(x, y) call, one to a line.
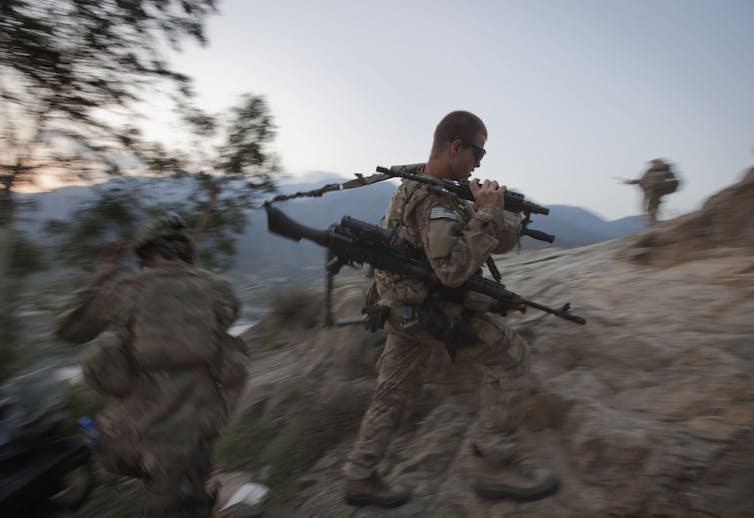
point(456, 249)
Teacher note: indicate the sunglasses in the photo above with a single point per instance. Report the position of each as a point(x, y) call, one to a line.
point(479, 151)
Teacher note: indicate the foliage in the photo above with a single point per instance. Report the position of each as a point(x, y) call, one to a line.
point(234, 164)
point(296, 306)
point(110, 216)
point(285, 435)
point(73, 76)
point(72, 72)
point(244, 439)
point(9, 332)
point(68, 65)
point(25, 256)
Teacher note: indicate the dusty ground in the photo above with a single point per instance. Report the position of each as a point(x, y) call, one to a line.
point(648, 410)
point(645, 411)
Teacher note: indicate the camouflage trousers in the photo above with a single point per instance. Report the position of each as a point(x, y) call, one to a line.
point(179, 491)
point(499, 355)
point(174, 475)
point(651, 207)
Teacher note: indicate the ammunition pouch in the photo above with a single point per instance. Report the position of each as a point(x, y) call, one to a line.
point(453, 331)
point(376, 316)
point(376, 313)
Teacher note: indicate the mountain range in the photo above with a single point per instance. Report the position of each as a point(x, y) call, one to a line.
point(263, 256)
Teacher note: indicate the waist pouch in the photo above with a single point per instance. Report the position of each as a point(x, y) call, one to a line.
point(453, 331)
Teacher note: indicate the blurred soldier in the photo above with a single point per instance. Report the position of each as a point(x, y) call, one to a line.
point(163, 365)
point(457, 239)
point(656, 182)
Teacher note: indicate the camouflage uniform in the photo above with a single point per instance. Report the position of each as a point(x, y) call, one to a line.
point(656, 182)
point(457, 241)
point(170, 323)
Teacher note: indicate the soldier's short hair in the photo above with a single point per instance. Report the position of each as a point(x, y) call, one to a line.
point(459, 125)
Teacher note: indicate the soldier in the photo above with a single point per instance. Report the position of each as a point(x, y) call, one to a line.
point(162, 365)
point(657, 181)
point(457, 239)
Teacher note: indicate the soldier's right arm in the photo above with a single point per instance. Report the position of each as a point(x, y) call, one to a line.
point(91, 308)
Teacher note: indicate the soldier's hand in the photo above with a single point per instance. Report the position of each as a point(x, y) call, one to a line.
point(488, 192)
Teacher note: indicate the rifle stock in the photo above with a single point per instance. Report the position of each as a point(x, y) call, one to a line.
point(279, 223)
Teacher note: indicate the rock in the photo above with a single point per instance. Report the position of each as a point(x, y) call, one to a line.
point(238, 496)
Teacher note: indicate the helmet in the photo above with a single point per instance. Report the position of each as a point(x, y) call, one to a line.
point(166, 232)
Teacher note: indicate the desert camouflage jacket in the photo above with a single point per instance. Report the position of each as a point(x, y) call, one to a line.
point(172, 322)
point(456, 239)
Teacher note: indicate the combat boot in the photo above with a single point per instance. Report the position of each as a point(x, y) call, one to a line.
point(516, 479)
point(373, 491)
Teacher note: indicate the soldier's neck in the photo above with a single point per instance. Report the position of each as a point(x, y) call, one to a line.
point(438, 169)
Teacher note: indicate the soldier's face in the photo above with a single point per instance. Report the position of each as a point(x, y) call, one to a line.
point(467, 156)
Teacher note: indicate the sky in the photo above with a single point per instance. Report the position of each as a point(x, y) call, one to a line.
point(573, 92)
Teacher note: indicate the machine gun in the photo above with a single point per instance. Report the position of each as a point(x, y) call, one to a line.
point(513, 201)
point(354, 242)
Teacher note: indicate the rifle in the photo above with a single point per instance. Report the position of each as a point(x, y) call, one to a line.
point(354, 242)
point(627, 181)
point(513, 201)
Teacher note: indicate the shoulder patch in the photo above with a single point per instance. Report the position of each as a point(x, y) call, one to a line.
point(443, 213)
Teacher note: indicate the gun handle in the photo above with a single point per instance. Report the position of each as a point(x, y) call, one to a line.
point(537, 234)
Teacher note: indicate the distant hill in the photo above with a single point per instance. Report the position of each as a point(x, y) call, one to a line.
point(262, 256)
point(260, 251)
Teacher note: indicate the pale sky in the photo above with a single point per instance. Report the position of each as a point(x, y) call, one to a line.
point(572, 92)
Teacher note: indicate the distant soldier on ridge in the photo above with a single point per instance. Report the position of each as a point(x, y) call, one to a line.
point(656, 182)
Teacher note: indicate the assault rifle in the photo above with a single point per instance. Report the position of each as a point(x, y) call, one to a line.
point(513, 201)
point(354, 242)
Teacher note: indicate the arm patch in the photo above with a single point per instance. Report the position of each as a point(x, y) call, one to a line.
point(443, 213)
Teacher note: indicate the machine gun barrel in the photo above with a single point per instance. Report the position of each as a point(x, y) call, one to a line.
point(356, 241)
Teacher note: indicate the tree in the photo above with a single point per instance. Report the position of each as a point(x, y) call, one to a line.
point(78, 68)
point(239, 162)
point(229, 166)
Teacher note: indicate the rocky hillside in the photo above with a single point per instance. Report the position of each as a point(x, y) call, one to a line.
point(648, 410)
